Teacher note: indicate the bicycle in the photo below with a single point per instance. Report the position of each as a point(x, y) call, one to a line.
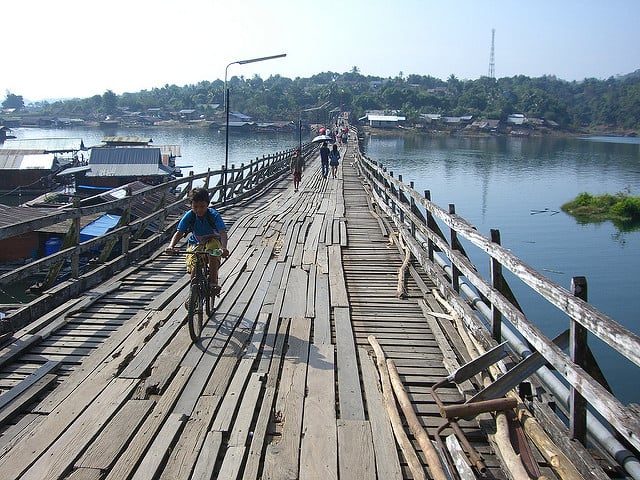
point(201, 299)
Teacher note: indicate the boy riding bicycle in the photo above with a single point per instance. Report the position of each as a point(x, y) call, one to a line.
point(208, 233)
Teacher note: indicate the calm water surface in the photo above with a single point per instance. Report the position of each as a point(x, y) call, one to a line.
point(516, 185)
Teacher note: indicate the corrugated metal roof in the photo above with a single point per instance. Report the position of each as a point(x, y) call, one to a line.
point(385, 118)
point(124, 162)
point(58, 145)
point(16, 160)
point(127, 140)
point(72, 170)
point(10, 215)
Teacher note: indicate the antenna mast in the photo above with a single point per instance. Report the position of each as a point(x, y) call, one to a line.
point(492, 60)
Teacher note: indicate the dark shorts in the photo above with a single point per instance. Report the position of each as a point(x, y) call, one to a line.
point(297, 176)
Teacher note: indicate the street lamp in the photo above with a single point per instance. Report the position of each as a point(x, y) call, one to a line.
point(226, 110)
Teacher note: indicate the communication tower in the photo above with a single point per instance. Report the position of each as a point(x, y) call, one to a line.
point(492, 62)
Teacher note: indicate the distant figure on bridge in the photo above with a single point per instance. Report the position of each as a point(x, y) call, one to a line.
point(296, 169)
point(334, 160)
point(208, 232)
point(324, 159)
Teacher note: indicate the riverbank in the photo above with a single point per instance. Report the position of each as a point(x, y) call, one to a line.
point(472, 132)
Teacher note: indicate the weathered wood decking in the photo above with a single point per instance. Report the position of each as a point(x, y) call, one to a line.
point(283, 386)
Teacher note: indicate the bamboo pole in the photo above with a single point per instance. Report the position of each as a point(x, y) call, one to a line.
point(513, 462)
point(396, 422)
point(509, 456)
point(401, 291)
point(420, 434)
point(550, 451)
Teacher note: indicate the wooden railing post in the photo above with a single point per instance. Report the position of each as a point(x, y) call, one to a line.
point(430, 222)
point(578, 352)
point(412, 203)
point(399, 201)
point(455, 273)
point(497, 282)
point(75, 233)
point(206, 180)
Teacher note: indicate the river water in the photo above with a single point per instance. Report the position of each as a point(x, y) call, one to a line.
point(516, 185)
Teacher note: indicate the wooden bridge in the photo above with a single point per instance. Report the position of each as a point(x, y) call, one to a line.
point(334, 325)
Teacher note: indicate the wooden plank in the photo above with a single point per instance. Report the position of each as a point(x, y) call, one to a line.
point(349, 394)
point(237, 445)
point(62, 454)
point(254, 457)
point(318, 453)
point(232, 396)
point(310, 304)
point(12, 434)
point(85, 474)
point(355, 450)
point(34, 389)
point(143, 359)
point(206, 462)
point(295, 294)
point(10, 395)
point(118, 346)
point(126, 463)
point(184, 454)
point(322, 259)
point(344, 238)
point(159, 448)
point(282, 454)
point(112, 441)
point(322, 320)
point(384, 443)
point(337, 288)
point(168, 362)
point(312, 240)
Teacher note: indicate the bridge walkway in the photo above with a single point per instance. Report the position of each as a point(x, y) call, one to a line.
point(284, 383)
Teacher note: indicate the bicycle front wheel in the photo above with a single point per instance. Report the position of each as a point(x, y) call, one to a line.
point(195, 316)
point(208, 299)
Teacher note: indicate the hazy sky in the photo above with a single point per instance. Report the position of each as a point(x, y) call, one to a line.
point(79, 48)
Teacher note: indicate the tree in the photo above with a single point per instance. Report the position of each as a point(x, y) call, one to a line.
point(109, 102)
point(13, 101)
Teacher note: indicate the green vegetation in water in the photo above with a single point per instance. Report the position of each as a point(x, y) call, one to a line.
point(622, 209)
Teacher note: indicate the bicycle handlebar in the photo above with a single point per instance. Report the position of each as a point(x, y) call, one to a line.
point(213, 253)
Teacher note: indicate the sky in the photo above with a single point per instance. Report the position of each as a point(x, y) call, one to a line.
point(79, 48)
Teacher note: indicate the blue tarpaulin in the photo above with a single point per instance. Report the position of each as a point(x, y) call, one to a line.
point(99, 227)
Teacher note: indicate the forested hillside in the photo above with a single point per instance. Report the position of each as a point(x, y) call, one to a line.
point(612, 104)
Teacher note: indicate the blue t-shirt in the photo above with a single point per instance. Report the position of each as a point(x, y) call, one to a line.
point(203, 228)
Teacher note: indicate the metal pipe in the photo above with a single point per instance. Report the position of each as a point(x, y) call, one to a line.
point(598, 432)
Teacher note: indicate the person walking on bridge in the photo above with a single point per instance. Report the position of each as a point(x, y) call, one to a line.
point(296, 169)
point(334, 160)
point(324, 159)
point(208, 232)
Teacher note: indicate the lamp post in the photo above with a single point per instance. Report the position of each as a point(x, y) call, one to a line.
point(226, 110)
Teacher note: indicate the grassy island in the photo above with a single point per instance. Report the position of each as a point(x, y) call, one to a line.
point(621, 209)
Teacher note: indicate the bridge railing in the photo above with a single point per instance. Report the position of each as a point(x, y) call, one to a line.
point(417, 220)
point(130, 235)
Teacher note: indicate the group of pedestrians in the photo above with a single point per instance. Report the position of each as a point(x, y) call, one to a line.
point(328, 158)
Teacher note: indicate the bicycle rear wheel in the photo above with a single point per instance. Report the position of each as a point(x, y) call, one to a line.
point(195, 317)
